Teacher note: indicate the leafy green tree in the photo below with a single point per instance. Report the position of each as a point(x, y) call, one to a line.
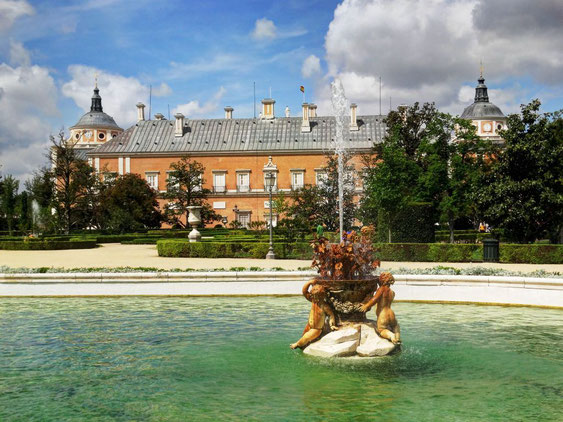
point(451, 158)
point(130, 204)
point(185, 188)
point(313, 205)
point(23, 210)
point(523, 192)
point(393, 170)
point(8, 201)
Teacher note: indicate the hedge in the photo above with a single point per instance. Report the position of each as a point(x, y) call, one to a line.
point(414, 252)
point(531, 254)
point(43, 245)
point(183, 248)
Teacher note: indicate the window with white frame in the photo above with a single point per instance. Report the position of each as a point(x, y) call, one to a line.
point(243, 217)
point(199, 185)
point(152, 179)
point(171, 181)
point(321, 177)
point(297, 179)
point(243, 181)
point(219, 181)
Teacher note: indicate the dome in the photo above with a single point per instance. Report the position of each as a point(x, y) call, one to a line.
point(96, 119)
point(481, 110)
point(481, 107)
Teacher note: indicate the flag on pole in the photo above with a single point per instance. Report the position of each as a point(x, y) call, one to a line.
point(302, 89)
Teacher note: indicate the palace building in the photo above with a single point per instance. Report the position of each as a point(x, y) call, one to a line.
point(237, 153)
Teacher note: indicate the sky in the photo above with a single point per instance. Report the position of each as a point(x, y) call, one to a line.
point(200, 56)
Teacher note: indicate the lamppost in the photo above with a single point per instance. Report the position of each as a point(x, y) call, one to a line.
point(270, 180)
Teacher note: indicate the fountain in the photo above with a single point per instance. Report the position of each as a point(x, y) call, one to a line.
point(342, 293)
point(340, 106)
point(35, 218)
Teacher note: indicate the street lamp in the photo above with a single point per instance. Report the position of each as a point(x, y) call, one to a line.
point(270, 181)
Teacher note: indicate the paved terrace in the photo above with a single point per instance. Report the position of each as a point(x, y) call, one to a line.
point(117, 255)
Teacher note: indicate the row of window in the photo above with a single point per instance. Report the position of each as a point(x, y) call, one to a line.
point(243, 180)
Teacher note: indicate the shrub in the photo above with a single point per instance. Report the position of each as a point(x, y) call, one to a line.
point(34, 245)
point(182, 248)
point(531, 254)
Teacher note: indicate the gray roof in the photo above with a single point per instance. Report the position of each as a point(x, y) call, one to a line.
point(282, 134)
point(80, 153)
point(94, 120)
point(482, 110)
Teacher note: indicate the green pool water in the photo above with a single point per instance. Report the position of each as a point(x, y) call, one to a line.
point(162, 359)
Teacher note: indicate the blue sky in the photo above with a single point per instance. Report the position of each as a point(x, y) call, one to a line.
point(200, 56)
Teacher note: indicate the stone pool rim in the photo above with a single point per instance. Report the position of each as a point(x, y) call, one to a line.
point(448, 289)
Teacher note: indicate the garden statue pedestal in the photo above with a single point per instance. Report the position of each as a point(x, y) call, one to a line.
point(194, 219)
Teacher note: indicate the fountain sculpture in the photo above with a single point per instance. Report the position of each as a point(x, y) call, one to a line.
point(345, 289)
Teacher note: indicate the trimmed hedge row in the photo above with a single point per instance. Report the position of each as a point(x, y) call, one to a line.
point(414, 252)
point(182, 248)
point(44, 245)
point(531, 254)
point(463, 237)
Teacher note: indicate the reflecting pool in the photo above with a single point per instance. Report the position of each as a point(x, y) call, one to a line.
point(228, 359)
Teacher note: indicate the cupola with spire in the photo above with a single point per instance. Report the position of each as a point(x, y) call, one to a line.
point(94, 127)
point(487, 117)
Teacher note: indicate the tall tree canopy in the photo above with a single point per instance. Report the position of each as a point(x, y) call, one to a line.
point(523, 192)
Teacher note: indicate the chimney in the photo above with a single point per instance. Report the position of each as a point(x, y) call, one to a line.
point(268, 108)
point(312, 110)
point(353, 121)
point(140, 112)
point(159, 116)
point(229, 112)
point(179, 126)
point(287, 112)
point(402, 109)
point(305, 126)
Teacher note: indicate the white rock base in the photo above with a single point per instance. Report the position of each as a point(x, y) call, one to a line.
point(359, 339)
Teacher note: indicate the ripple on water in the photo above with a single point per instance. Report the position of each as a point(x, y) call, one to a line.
point(228, 358)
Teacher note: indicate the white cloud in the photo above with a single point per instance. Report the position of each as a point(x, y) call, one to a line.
point(10, 10)
point(195, 109)
point(427, 50)
point(264, 29)
point(119, 93)
point(162, 90)
point(19, 56)
point(311, 66)
point(28, 97)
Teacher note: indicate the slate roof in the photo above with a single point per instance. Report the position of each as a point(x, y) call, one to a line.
point(94, 120)
point(80, 153)
point(482, 110)
point(282, 134)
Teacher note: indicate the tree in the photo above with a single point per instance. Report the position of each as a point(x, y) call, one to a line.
point(25, 220)
point(185, 188)
point(130, 204)
point(8, 202)
point(313, 205)
point(389, 185)
point(451, 157)
point(523, 192)
point(391, 178)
